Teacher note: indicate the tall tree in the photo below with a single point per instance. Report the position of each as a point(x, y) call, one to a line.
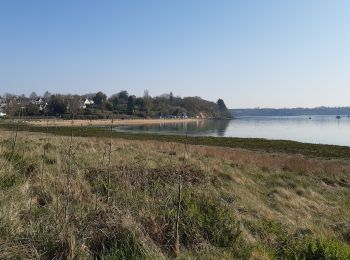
point(123, 96)
point(74, 105)
point(47, 96)
point(223, 111)
point(56, 105)
point(221, 105)
point(146, 94)
point(171, 97)
point(33, 96)
point(99, 99)
point(131, 105)
point(147, 102)
point(114, 99)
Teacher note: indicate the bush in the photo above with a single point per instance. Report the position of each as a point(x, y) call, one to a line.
point(112, 240)
point(208, 220)
point(316, 249)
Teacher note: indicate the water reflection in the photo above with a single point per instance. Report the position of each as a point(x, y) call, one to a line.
point(200, 127)
point(317, 129)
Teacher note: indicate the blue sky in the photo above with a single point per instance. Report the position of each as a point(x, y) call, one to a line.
point(250, 53)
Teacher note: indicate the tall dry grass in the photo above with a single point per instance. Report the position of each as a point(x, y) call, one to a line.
point(163, 200)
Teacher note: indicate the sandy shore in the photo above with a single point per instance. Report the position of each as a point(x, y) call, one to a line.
point(103, 122)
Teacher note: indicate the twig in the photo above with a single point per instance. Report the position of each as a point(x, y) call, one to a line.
point(109, 163)
point(177, 241)
point(14, 141)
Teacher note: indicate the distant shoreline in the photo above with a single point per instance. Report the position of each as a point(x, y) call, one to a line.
point(324, 111)
point(104, 122)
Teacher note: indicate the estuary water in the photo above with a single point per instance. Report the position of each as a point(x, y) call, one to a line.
point(309, 129)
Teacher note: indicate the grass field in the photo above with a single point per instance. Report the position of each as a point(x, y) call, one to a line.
point(89, 196)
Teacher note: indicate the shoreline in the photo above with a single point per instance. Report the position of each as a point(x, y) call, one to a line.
point(257, 144)
point(108, 122)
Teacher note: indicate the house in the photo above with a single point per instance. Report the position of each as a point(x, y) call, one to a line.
point(43, 106)
point(87, 103)
point(38, 101)
point(2, 103)
point(2, 114)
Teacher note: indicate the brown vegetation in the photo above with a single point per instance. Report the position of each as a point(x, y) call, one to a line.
point(235, 203)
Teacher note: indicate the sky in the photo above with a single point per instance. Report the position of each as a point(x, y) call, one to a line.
point(251, 53)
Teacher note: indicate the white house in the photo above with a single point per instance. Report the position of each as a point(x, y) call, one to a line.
point(2, 114)
point(38, 101)
point(2, 103)
point(88, 102)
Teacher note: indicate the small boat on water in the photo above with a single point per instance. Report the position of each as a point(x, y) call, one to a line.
point(338, 117)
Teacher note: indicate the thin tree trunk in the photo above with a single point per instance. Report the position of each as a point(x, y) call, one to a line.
point(177, 239)
point(109, 163)
point(14, 141)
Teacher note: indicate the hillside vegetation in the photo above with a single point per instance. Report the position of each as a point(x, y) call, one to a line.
point(119, 105)
point(100, 198)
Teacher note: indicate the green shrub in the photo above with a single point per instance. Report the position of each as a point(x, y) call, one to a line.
point(209, 220)
point(206, 220)
point(315, 249)
point(8, 180)
point(114, 241)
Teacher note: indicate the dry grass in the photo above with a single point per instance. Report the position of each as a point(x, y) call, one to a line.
point(273, 198)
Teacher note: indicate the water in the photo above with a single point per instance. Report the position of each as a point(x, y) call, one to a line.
point(318, 129)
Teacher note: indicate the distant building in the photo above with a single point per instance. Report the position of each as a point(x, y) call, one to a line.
point(2, 103)
point(87, 103)
point(38, 101)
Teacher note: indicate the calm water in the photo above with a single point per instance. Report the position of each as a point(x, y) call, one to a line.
point(319, 129)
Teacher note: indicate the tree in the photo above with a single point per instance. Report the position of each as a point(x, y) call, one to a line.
point(114, 99)
point(146, 94)
point(32, 110)
point(56, 105)
point(73, 104)
point(108, 105)
point(131, 105)
point(147, 102)
point(223, 111)
point(139, 102)
point(123, 96)
point(221, 105)
point(47, 95)
point(99, 99)
point(33, 96)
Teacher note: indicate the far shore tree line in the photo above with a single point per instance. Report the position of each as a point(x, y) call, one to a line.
point(120, 105)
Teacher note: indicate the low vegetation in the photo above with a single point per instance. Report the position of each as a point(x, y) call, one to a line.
point(98, 197)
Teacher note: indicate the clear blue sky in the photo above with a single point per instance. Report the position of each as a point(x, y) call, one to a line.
point(250, 53)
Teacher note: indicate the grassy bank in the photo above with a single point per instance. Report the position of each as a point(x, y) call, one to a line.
point(271, 146)
point(99, 198)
